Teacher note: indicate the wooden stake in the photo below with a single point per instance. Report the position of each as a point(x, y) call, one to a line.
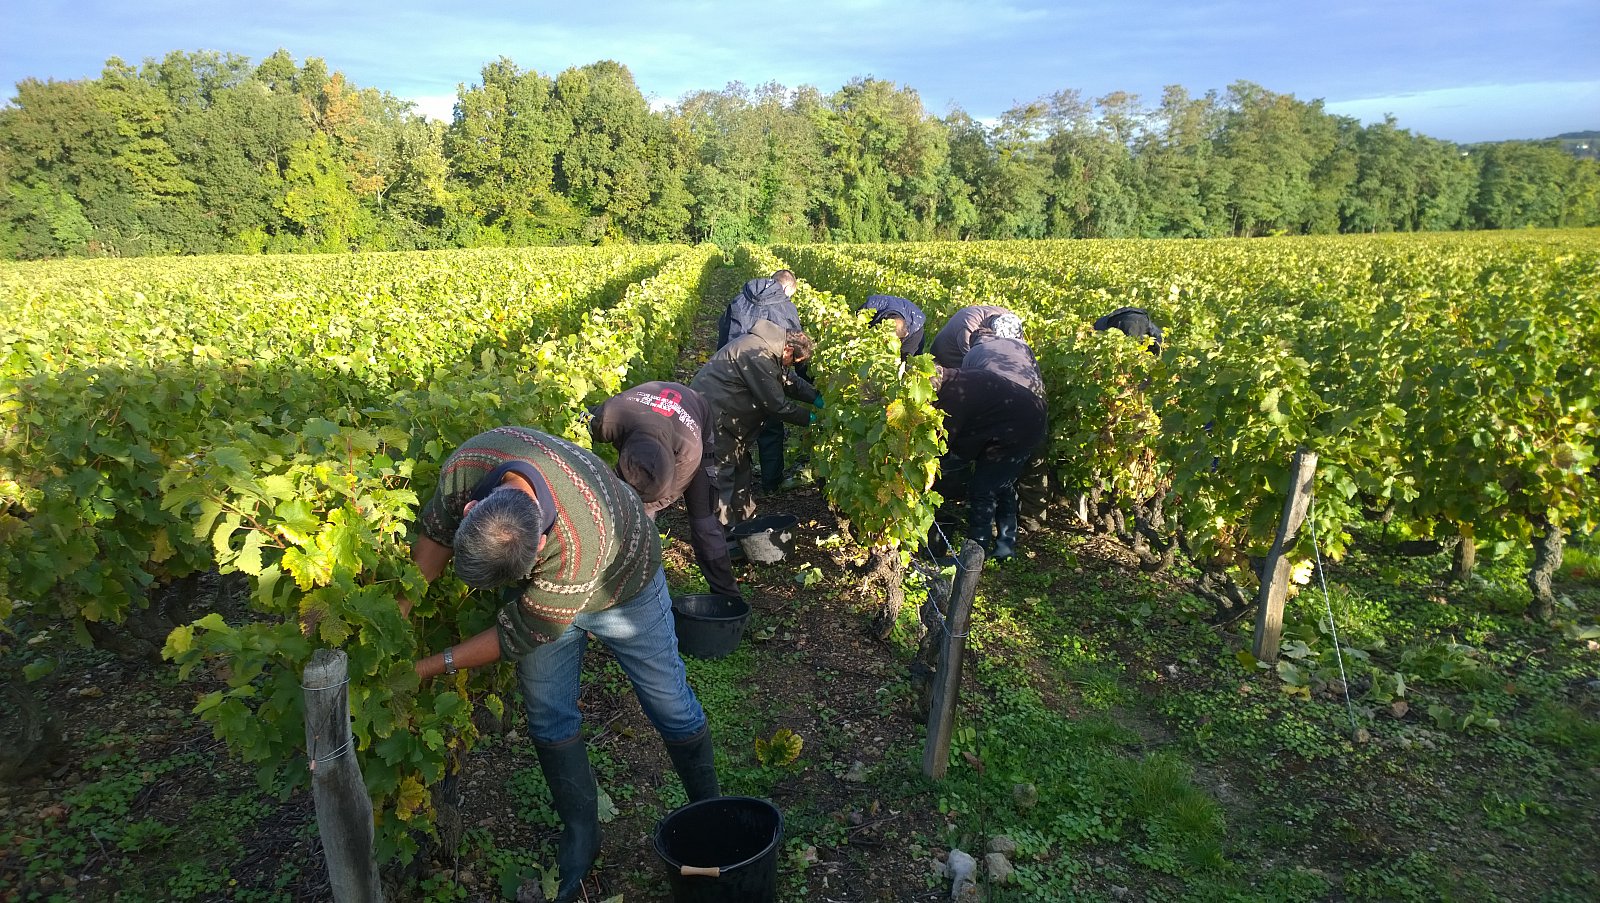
point(344, 810)
point(1275, 572)
point(958, 615)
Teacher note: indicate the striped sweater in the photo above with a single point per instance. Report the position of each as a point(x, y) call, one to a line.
point(602, 551)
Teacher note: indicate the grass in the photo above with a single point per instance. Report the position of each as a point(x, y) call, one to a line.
point(1114, 736)
point(1474, 730)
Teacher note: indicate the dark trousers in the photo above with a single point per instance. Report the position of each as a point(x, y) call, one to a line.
point(991, 497)
point(769, 449)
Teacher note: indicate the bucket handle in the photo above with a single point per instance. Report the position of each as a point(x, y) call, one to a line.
point(692, 871)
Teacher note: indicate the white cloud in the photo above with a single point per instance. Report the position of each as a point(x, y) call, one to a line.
point(439, 107)
point(1486, 112)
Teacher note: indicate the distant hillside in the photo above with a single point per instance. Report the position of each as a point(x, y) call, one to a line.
point(1581, 144)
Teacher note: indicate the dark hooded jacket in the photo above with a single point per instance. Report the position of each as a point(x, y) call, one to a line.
point(989, 416)
point(1134, 322)
point(671, 414)
point(760, 299)
point(952, 343)
point(1008, 358)
point(912, 314)
point(747, 383)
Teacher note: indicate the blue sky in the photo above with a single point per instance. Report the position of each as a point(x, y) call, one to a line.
point(1468, 70)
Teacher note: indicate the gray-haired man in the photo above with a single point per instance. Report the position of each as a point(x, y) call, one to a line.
point(576, 555)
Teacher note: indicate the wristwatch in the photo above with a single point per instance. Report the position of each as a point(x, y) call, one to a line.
point(449, 660)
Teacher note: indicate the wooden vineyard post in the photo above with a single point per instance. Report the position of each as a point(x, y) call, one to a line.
point(344, 810)
point(1275, 572)
point(947, 683)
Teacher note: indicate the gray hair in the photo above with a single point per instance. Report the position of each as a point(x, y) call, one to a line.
point(498, 541)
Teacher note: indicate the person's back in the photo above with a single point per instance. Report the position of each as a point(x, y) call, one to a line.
point(951, 344)
point(745, 381)
point(593, 558)
point(912, 320)
point(995, 426)
point(671, 414)
point(760, 299)
point(1133, 322)
point(987, 414)
point(1011, 359)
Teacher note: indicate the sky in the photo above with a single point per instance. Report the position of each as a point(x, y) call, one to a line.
point(1468, 70)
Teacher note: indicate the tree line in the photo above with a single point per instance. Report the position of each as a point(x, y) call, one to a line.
point(206, 153)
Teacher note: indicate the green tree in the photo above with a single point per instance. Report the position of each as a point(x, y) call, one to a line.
point(1520, 184)
point(1092, 181)
point(602, 169)
point(886, 157)
point(1182, 185)
point(1285, 176)
point(1446, 181)
point(502, 147)
point(320, 200)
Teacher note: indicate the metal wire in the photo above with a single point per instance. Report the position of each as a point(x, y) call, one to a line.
point(939, 616)
point(314, 759)
point(1333, 628)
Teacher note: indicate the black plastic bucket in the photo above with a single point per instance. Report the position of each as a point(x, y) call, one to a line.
point(709, 625)
point(767, 540)
point(722, 850)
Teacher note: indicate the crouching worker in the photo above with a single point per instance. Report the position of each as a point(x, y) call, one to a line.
point(1135, 323)
point(666, 450)
point(574, 554)
point(908, 320)
point(995, 426)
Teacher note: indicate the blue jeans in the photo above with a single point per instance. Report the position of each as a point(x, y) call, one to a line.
point(640, 634)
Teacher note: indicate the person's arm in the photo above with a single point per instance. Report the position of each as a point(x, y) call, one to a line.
point(764, 376)
point(474, 652)
point(911, 345)
point(706, 536)
point(430, 558)
point(605, 426)
point(797, 386)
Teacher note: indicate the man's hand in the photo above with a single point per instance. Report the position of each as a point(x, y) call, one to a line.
point(430, 558)
point(476, 652)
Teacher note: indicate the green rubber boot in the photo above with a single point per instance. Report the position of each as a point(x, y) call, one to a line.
point(572, 788)
point(694, 760)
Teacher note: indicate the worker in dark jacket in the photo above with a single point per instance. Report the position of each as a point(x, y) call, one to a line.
point(761, 299)
point(764, 299)
point(908, 318)
point(952, 343)
point(997, 347)
point(748, 383)
point(666, 446)
point(1135, 323)
point(995, 425)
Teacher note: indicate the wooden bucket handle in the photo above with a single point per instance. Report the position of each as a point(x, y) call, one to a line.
point(696, 871)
